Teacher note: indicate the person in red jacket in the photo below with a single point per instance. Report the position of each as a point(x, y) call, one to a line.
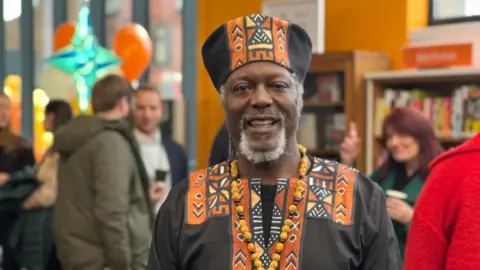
point(445, 231)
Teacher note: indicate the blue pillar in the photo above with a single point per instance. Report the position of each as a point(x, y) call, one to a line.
point(98, 17)
point(27, 66)
point(189, 83)
point(2, 48)
point(60, 11)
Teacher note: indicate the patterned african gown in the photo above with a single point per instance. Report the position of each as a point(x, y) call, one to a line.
point(341, 223)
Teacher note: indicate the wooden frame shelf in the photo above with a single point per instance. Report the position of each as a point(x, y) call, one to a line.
point(350, 67)
point(435, 81)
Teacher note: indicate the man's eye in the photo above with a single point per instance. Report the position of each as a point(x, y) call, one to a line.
point(242, 88)
point(279, 86)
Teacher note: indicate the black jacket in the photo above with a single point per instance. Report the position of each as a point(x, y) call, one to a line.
point(30, 238)
point(220, 147)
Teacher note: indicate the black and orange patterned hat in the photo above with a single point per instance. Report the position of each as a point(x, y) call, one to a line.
point(255, 38)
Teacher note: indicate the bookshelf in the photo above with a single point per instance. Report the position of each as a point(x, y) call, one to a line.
point(334, 96)
point(448, 97)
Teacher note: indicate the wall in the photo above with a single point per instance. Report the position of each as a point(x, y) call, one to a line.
point(211, 14)
point(375, 25)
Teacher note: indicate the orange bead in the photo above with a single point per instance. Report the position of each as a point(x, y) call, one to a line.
point(254, 256)
point(283, 235)
point(242, 222)
point(288, 222)
point(247, 235)
point(298, 195)
point(244, 229)
point(276, 257)
point(274, 265)
point(239, 209)
point(285, 228)
point(257, 263)
point(235, 185)
point(292, 209)
point(279, 247)
point(251, 247)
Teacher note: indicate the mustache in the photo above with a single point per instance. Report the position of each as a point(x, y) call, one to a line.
point(264, 112)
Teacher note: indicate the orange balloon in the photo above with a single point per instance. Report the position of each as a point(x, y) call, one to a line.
point(63, 35)
point(133, 45)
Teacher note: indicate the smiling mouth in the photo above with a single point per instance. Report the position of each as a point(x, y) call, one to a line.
point(262, 122)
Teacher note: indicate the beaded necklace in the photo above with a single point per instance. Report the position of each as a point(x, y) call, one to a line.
point(288, 223)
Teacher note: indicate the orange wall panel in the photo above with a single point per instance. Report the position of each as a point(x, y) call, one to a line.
point(374, 25)
point(212, 14)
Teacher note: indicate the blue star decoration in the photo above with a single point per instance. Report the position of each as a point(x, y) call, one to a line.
point(84, 58)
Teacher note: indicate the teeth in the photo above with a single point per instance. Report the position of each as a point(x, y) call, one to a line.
point(261, 122)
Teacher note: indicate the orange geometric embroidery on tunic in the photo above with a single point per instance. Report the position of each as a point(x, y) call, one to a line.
point(344, 195)
point(208, 194)
point(330, 195)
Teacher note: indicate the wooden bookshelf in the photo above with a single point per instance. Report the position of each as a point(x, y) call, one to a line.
point(334, 96)
point(436, 84)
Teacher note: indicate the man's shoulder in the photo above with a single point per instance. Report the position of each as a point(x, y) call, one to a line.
point(109, 137)
point(174, 145)
point(344, 188)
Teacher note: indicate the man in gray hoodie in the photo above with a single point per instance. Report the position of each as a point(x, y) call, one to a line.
point(102, 217)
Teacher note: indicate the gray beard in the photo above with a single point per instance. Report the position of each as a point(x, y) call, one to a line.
point(263, 156)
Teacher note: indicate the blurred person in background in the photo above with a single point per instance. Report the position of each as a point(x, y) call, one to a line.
point(103, 217)
point(445, 230)
point(220, 147)
point(34, 226)
point(16, 155)
point(164, 159)
point(411, 145)
point(57, 114)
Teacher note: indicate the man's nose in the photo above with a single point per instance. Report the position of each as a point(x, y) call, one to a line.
point(261, 97)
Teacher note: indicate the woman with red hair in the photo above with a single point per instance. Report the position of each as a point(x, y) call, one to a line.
point(410, 144)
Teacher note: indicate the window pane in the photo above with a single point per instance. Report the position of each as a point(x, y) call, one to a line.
point(119, 14)
point(448, 9)
point(166, 32)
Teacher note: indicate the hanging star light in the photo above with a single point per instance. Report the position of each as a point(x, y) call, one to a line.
point(84, 59)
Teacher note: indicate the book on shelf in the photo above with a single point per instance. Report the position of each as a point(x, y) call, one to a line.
point(323, 88)
point(453, 116)
point(322, 123)
point(321, 133)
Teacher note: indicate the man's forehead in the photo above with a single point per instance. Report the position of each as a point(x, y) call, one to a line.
point(147, 97)
point(260, 71)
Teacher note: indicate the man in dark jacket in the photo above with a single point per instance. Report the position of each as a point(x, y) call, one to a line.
point(220, 147)
point(164, 159)
point(102, 217)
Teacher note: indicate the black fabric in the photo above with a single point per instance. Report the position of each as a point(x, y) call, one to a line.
point(177, 159)
point(220, 147)
point(268, 200)
point(216, 50)
point(368, 244)
point(401, 179)
point(30, 238)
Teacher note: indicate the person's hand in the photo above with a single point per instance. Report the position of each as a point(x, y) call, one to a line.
point(4, 177)
point(156, 192)
point(350, 147)
point(399, 210)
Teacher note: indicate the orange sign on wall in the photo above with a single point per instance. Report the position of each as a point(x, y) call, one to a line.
point(438, 56)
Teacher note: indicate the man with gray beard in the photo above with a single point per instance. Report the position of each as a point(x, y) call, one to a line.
point(271, 205)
